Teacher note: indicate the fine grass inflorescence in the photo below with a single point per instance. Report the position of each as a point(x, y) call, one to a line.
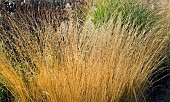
point(48, 57)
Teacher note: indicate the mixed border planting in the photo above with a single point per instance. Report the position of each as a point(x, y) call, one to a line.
point(88, 51)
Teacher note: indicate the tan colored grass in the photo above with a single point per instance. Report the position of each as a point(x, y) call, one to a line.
point(91, 65)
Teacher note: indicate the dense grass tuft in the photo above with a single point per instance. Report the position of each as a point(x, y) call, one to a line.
point(43, 60)
point(134, 13)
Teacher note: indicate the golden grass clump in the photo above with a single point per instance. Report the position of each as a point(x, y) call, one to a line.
point(41, 62)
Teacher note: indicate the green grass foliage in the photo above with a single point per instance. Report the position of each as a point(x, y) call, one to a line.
point(134, 13)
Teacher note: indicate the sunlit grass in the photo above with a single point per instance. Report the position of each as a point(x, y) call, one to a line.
point(41, 61)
